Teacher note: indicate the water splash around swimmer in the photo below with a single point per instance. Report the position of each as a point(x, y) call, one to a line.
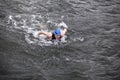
point(30, 25)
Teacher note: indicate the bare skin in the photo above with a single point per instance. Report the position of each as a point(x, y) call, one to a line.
point(49, 34)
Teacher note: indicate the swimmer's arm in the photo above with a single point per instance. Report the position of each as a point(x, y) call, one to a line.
point(48, 34)
point(64, 32)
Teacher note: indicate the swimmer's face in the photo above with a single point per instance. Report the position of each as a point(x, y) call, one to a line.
point(57, 37)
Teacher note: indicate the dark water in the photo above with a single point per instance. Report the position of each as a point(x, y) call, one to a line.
point(95, 58)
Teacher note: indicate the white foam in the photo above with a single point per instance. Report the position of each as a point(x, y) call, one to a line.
point(63, 39)
point(79, 39)
point(28, 40)
point(27, 24)
point(35, 34)
point(63, 24)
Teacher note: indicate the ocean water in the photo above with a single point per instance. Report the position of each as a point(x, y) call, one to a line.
point(90, 50)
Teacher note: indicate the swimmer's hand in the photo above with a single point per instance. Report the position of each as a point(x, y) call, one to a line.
point(62, 24)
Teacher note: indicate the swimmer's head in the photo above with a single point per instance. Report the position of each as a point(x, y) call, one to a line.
point(57, 32)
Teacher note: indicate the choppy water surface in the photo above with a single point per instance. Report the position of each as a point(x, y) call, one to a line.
point(92, 45)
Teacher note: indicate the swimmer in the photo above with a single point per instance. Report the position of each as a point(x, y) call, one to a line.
point(57, 34)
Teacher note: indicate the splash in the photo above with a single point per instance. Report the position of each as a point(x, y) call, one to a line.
point(30, 25)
